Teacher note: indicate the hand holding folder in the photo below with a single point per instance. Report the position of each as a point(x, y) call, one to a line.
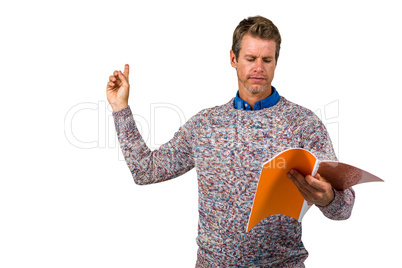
point(277, 194)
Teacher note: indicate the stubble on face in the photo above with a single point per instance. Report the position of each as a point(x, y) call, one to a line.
point(253, 89)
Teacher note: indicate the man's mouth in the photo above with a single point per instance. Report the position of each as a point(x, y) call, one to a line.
point(257, 78)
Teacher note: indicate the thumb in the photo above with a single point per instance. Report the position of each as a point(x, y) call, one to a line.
point(319, 177)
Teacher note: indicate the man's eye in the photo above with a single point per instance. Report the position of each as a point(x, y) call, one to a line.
point(267, 61)
point(250, 60)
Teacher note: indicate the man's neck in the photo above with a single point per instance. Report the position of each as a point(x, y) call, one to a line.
point(253, 98)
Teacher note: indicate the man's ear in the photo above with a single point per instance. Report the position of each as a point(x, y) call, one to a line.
point(233, 60)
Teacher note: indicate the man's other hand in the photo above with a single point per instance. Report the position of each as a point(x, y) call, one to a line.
point(117, 89)
point(315, 190)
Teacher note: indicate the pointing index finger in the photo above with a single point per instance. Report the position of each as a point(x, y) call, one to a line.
point(126, 71)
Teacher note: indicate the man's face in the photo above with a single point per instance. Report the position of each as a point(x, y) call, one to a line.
point(255, 65)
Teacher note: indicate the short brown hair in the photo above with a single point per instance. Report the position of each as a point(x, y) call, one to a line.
point(257, 26)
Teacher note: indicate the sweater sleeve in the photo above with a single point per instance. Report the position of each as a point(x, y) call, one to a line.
point(171, 160)
point(315, 138)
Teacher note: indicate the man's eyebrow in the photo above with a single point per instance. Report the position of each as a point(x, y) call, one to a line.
point(253, 56)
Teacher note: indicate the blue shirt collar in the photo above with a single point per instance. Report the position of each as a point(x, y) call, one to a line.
point(269, 101)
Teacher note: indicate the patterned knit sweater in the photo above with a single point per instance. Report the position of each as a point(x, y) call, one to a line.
point(228, 147)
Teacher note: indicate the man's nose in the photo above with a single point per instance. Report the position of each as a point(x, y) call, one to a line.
point(259, 66)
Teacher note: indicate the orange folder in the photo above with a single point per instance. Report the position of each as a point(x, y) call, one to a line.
point(276, 193)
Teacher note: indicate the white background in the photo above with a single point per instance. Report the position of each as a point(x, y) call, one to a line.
point(64, 205)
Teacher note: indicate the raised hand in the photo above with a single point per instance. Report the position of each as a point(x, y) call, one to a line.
point(117, 89)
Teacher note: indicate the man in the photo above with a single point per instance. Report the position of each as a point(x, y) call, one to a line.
point(227, 145)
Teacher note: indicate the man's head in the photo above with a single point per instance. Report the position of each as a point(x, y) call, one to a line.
point(254, 54)
point(257, 27)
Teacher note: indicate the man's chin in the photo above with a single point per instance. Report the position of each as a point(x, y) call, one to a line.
point(256, 90)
